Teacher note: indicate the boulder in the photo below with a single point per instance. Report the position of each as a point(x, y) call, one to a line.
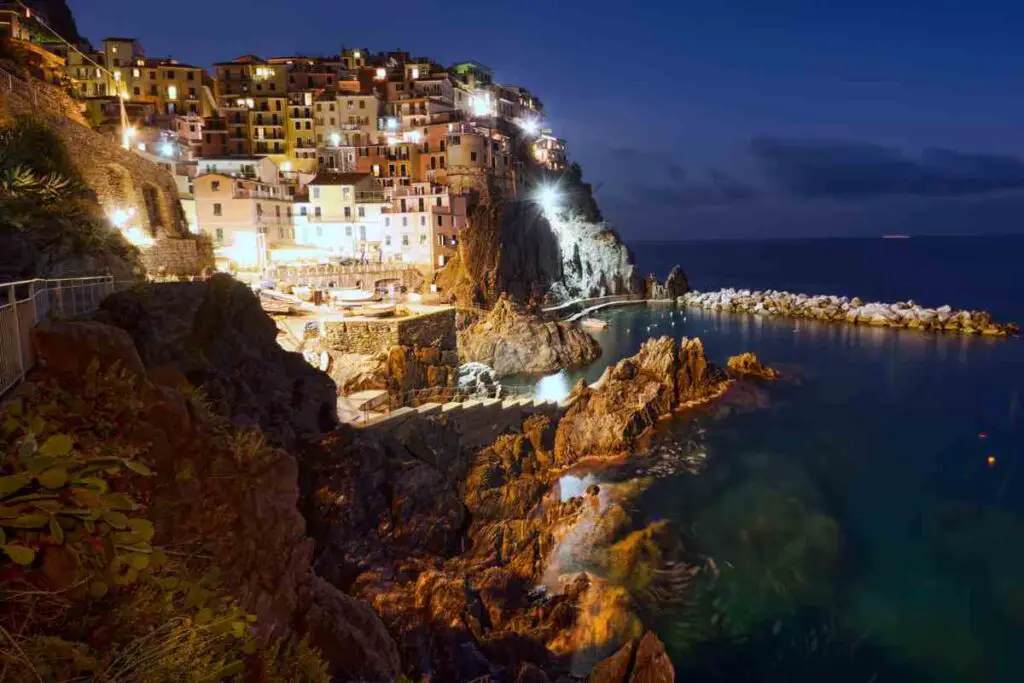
point(748, 364)
point(218, 336)
point(676, 284)
point(643, 660)
point(512, 341)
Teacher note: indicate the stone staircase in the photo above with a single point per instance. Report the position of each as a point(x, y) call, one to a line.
point(478, 422)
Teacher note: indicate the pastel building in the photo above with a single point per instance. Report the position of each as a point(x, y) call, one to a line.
point(343, 215)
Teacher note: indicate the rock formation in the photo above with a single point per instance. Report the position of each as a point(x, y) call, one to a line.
point(512, 341)
point(513, 249)
point(748, 364)
point(676, 283)
point(217, 336)
point(639, 661)
point(224, 494)
point(899, 315)
point(631, 396)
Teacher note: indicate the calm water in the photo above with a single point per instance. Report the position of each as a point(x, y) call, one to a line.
point(865, 516)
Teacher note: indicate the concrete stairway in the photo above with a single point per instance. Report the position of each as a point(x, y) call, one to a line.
point(478, 422)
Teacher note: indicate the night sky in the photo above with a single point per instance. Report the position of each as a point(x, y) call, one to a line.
point(700, 119)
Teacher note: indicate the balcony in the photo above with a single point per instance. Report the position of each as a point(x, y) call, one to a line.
point(371, 197)
point(242, 193)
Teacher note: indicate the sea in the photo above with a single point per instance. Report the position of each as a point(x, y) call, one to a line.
point(862, 519)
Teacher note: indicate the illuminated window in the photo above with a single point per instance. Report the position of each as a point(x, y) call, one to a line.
point(172, 92)
point(415, 72)
point(136, 73)
point(382, 73)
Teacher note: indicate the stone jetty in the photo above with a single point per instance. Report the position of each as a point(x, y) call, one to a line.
point(900, 315)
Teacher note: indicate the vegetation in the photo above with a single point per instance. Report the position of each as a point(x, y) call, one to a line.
point(47, 213)
point(88, 595)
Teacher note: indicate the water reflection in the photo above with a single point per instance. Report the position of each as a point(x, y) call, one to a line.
point(850, 528)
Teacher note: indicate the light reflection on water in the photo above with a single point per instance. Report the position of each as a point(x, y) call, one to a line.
point(860, 531)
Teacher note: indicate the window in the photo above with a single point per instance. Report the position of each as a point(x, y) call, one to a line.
point(423, 220)
point(215, 186)
point(348, 212)
point(319, 231)
point(152, 75)
point(303, 211)
point(298, 125)
point(362, 104)
point(137, 91)
point(191, 92)
point(136, 73)
point(259, 209)
point(152, 90)
point(172, 92)
point(217, 210)
point(220, 234)
point(316, 212)
point(405, 221)
point(169, 75)
point(472, 156)
point(280, 233)
point(440, 240)
point(423, 238)
point(348, 231)
point(440, 221)
point(316, 193)
point(277, 211)
point(387, 222)
point(422, 208)
point(362, 212)
point(387, 240)
point(191, 75)
point(405, 239)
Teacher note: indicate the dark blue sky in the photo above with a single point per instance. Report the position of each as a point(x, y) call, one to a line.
point(704, 118)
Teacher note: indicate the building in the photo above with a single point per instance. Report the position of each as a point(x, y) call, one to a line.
point(423, 225)
point(344, 215)
point(550, 151)
point(246, 218)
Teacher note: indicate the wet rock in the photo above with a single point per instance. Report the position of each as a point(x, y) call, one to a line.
point(639, 661)
point(748, 364)
point(676, 283)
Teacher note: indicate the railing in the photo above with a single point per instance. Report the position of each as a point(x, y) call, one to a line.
point(44, 96)
point(25, 304)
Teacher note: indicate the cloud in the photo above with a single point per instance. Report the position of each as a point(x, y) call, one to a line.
point(655, 162)
point(845, 169)
point(717, 189)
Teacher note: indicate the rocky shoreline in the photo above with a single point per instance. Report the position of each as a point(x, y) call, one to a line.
point(827, 308)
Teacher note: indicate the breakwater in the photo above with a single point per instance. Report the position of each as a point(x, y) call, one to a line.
point(900, 315)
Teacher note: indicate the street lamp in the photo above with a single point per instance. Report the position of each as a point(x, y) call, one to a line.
point(549, 199)
point(530, 126)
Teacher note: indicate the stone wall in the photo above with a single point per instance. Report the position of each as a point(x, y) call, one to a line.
point(120, 178)
point(186, 256)
point(371, 337)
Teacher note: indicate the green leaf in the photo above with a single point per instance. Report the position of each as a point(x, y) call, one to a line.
point(53, 479)
point(118, 501)
point(116, 519)
point(204, 616)
point(97, 589)
point(57, 446)
point(20, 553)
point(249, 647)
point(157, 559)
point(39, 463)
point(138, 560)
point(56, 531)
point(31, 520)
point(142, 527)
point(138, 467)
point(14, 482)
point(92, 484)
point(37, 424)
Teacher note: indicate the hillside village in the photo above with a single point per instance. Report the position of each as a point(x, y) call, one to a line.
point(359, 157)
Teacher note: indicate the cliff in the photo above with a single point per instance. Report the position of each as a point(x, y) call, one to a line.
point(516, 248)
point(59, 17)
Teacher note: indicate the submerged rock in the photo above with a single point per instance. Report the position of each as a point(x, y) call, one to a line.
point(511, 341)
point(748, 364)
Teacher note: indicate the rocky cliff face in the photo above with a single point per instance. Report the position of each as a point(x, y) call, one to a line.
point(58, 16)
point(217, 336)
point(512, 341)
point(513, 249)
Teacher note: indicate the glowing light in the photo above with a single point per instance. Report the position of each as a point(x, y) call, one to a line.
point(415, 72)
point(286, 167)
point(119, 217)
point(130, 132)
point(481, 104)
point(172, 92)
point(415, 297)
point(356, 54)
point(167, 149)
point(412, 136)
point(382, 73)
point(549, 199)
point(991, 460)
point(335, 139)
point(137, 236)
point(553, 388)
point(392, 123)
point(529, 126)
point(141, 146)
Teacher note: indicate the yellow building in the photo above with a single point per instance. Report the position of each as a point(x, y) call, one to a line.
point(300, 134)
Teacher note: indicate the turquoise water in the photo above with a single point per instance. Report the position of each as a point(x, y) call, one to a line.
point(848, 521)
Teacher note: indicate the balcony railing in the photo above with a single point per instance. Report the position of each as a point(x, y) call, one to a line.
point(371, 197)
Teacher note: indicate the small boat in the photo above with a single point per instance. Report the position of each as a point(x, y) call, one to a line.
point(377, 310)
point(593, 324)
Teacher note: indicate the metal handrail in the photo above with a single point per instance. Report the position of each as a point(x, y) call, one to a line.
point(26, 303)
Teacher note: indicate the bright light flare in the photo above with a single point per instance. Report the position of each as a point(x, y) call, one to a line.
point(120, 217)
point(530, 126)
point(335, 139)
point(549, 199)
point(167, 149)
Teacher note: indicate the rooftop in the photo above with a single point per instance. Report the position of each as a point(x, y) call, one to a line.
point(333, 178)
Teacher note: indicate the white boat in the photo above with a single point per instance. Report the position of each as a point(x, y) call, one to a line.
point(351, 295)
point(377, 310)
point(594, 324)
